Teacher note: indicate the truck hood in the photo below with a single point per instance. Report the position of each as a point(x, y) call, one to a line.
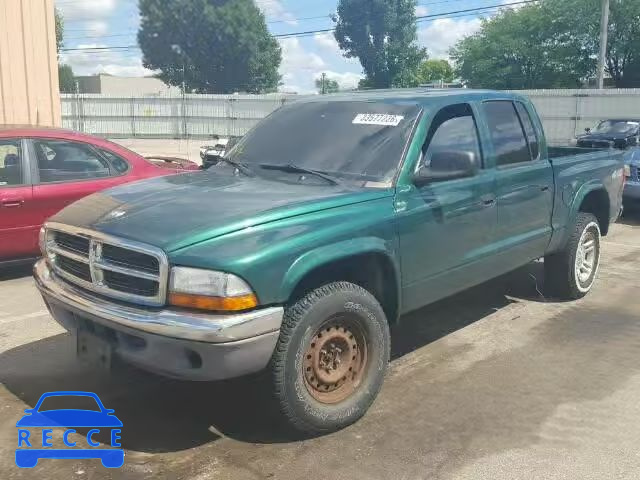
point(180, 210)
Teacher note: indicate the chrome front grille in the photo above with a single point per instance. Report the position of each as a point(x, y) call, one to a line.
point(635, 173)
point(110, 266)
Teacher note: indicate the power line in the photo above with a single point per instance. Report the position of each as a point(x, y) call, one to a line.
point(418, 19)
point(98, 49)
point(328, 15)
point(102, 36)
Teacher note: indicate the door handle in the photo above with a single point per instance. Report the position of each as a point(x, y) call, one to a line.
point(488, 201)
point(545, 188)
point(12, 203)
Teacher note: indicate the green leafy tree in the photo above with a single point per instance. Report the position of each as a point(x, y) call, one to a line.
point(66, 78)
point(623, 52)
point(435, 71)
point(551, 44)
point(59, 29)
point(330, 85)
point(382, 34)
point(515, 50)
point(65, 72)
point(213, 46)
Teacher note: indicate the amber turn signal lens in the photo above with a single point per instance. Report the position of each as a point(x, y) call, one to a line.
point(220, 304)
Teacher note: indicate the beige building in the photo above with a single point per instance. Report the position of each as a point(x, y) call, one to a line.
point(28, 63)
point(124, 86)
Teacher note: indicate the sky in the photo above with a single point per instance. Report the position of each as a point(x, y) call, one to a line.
point(114, 23)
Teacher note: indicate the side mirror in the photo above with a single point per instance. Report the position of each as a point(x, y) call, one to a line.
point(587, 130)
point(447, 165)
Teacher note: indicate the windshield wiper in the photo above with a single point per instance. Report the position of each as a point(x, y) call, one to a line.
point(239, 165)
point(291, 167)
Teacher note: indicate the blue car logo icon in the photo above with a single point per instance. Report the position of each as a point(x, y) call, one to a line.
point(35, 433)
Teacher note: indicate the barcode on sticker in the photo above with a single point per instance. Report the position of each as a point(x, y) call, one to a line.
point(377, 119)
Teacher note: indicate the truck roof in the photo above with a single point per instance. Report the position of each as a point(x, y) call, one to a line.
point(419, 96)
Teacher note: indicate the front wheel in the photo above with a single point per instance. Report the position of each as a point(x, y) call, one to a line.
point(571, 273)
point(331, 357)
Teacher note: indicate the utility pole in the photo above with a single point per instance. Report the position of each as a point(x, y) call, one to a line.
point(604, 32)
point(324, 83)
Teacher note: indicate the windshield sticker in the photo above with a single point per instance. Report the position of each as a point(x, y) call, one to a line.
point(377, 119)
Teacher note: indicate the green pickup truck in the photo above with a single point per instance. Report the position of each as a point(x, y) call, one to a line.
point(336, 215)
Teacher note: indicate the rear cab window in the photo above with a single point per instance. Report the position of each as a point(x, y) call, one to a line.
point(507, 133)
point(530, 131)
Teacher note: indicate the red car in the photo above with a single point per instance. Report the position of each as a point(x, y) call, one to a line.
point(44, 169)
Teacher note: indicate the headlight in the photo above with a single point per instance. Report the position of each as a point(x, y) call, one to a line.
point(209, 290)
point(627, 171)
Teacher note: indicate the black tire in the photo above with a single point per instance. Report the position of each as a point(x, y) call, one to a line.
point(562, 280)
point(303, 322)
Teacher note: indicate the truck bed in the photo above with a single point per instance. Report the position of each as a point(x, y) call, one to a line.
point(559, 151)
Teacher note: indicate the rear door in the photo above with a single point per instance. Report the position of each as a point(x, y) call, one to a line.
point(67, 171)
point(18, 220)
point(524, 184)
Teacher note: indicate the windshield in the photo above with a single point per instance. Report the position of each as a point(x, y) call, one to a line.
point(348, 139)
point(617, 126)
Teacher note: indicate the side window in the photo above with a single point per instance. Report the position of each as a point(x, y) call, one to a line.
point(453, 129)
point(532, 138)
point(62, 161)
point(11, 163)
point(118, 163)
point(506, 132)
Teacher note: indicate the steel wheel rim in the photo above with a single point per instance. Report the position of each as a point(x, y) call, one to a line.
point(586, 257)
point(335, 361)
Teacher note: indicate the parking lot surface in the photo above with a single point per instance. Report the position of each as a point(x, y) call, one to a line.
point(497, 382)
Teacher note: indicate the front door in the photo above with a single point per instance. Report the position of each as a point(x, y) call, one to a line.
point(18, 222)
point(446, 227)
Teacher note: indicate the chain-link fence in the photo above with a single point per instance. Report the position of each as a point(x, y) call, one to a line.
point(564, 113)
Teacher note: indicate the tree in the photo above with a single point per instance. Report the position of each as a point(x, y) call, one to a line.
point(212, 46)
point(435, 71)
point(382, 34)
point(59, 29)
point(516, 50)
point(66, 78)
point(623, 52)
point(328, 85)
point(552, 44)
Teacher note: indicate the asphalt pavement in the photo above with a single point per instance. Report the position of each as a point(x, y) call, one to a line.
point(497, 382)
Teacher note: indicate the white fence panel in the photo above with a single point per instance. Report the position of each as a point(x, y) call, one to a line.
point(564, 113)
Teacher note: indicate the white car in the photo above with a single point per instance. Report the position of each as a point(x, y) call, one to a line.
point(218, 149)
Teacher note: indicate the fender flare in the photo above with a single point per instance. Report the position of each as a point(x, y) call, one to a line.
point(581, 194)
point(327, 254)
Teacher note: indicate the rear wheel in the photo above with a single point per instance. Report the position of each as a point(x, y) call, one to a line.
point(331, 358)
point(571, 273)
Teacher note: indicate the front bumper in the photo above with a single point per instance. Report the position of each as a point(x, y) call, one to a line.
point(171, 342)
